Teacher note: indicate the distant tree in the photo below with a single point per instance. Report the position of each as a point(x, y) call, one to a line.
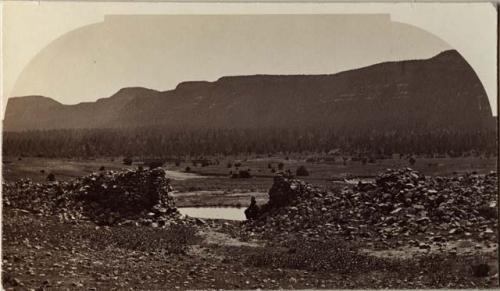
point(229, 165)
point(155, 164)
point(241, 174)
point(177, 163)
point(245, 174)
point(237, 165)
point(281, 166)
point(187, 170)
point(158, 141)
point(302, 171)
point(127, 161)
point(102, 168)
point(51, 177)
point(412, 161)
point(269, 166)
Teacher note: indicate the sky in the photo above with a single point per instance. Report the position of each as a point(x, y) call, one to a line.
point(76, 52)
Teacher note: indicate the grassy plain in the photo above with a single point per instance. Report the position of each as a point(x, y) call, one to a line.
point(212, 185)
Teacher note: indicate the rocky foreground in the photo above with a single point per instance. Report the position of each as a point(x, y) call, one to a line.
point(106, 198)
point(402, 206)
point(121, 230)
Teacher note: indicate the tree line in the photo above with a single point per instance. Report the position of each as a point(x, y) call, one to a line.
point(161, 142)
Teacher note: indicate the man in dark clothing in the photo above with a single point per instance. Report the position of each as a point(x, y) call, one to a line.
point(252, 212)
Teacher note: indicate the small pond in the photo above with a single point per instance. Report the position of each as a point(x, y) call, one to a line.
point(229, 213)
point(355, 181)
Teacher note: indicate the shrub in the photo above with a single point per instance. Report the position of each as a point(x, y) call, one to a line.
point(302, 171)
point(155, 164)
point(127, 161)
point(177, 163)
point(187, 170)
point(229, 165)
point(245, 174)
point(488, 212)
point(281, 166)
point(102, 168)
point(51, 177)
point(412, 161)
point(241, 174)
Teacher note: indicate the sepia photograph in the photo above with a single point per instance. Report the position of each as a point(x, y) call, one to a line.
point(249, 146)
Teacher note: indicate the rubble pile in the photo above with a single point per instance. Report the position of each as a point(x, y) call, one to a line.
point(285, 191)
point(132, 196)
point(400, 204)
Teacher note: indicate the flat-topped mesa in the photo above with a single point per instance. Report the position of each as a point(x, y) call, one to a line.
point(31, 104)
point(133, 92)
point(192, 85)
point(440, 93)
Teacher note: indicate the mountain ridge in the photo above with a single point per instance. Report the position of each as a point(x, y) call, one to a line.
point(419, 93)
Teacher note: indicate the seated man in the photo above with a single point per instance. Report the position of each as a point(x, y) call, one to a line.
point(252, 212)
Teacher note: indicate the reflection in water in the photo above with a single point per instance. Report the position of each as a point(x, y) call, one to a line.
point(230, 213)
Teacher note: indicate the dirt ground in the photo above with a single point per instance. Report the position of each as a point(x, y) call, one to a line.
point(41, 252)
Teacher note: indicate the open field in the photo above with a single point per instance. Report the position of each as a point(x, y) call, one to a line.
point(212, 186)
point(37, 169)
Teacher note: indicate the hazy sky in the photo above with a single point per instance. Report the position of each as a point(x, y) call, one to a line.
point(76, 52)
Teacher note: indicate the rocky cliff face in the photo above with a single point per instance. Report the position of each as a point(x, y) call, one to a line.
point(438, 93)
